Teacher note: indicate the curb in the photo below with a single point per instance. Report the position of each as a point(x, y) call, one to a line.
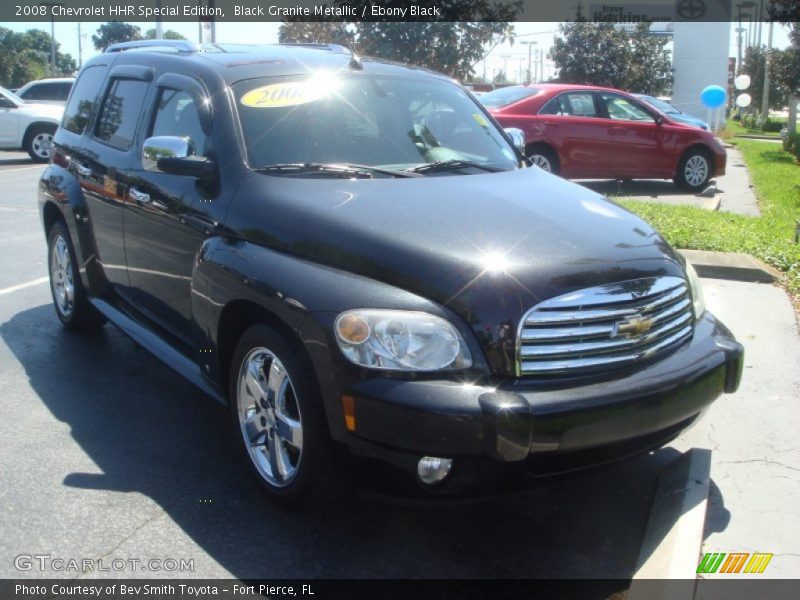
point(734, 266)
point(674, 535)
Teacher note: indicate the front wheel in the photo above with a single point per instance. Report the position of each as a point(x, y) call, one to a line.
point(544, 158)
point(278, 418)
point(694, 171)
point(39, 142)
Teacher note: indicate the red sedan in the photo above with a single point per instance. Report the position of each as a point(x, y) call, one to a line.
point(580, 131)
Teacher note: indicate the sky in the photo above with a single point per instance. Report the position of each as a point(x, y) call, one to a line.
point(513, 57)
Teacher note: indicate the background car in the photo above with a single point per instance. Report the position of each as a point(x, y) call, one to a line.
point(591, 132)
point(47, 91)
point(672, 112)
point(28, 126)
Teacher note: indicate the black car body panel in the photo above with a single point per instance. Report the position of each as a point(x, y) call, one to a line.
point(186, 271)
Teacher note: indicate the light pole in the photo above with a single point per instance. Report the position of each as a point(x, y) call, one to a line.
point(739, 30)
point(765, 91)
point(50, 6)
point(529, 45)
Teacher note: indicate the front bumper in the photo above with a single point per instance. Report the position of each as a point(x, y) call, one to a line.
point(550, 427)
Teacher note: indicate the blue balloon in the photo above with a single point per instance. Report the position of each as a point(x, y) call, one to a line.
point(713, 96)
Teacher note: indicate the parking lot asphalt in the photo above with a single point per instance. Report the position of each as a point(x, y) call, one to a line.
point(732, 192)
point(108, 454)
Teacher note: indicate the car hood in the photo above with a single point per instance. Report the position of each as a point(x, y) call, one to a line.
point(486, 246)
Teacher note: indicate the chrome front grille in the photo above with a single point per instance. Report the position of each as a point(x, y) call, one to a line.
point(604, 327)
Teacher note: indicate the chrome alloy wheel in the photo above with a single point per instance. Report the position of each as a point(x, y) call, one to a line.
point(61, 277)
point(269, 417)
point(542, 162)
point(42, 145)
point(696, 170)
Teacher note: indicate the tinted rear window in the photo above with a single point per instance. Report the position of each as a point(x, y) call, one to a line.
point(509, 95)
point(83, 101)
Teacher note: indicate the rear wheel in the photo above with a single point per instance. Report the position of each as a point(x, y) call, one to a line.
point(278, 418)
point(69, 297)
point(694, 170)
point(39, 142)
point(544, 158)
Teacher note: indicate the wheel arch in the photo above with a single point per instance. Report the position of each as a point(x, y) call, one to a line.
point(50, 215)
point(702, 147)
point(238, 316)
point(32, 127)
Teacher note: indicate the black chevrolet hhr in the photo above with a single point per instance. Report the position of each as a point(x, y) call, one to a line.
point(359, 261)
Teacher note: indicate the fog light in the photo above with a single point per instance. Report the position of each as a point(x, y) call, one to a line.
point(432, 469)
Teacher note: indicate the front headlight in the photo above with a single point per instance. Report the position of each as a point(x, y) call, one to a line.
point(400, 340)
point(698, 302)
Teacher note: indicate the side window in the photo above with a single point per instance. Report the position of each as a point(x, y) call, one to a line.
point(119, 115)
point(579, 104)
point(621, 109)
point(556, 106)
point(62, 91)
point(176, 115)
point(83, 101)
point(34, 92)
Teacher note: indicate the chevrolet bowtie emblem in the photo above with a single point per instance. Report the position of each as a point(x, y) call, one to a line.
point(633, 326)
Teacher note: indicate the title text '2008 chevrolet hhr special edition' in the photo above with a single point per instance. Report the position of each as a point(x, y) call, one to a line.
point(359, 261)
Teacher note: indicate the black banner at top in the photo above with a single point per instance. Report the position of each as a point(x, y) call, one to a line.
point(623, 11)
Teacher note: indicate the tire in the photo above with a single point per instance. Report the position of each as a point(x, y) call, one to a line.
point(39, 142)
point(544, 158)
point(278, 420)
point(69, 296)
point(695, 170)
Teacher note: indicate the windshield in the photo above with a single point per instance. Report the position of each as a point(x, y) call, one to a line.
point(508, 95)
point(393, 122)
point(11, 95)
point(661, 105)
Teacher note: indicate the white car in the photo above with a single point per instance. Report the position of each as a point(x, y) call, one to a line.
point(47, 91)
point(28, 126)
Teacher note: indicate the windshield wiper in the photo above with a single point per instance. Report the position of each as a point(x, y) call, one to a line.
point(447, 165)
point(346, 170)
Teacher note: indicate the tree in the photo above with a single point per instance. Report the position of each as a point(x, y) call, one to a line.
point(650, 69)
point(592, 53)
point(169, 34)
point(115, 32)
point(604, 54)
point(500, 77)
point(318, 32)
point(451, 45)
point(753, 66)
point(25, 57)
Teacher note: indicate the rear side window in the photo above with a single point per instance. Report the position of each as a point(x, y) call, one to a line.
point(61, 90)
point(83, 102)
point(177, 116)
point(575, 104)
point(119, 114)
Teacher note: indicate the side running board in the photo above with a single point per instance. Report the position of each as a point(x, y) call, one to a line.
point(157, 347)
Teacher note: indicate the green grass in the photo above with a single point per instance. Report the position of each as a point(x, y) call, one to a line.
point(736, 128)
point(776, 177)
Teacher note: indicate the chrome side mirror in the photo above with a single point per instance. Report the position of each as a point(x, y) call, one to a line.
point(165, 146)
point(517, 138)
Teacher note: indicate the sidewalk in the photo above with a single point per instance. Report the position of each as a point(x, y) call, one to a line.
point(754, 434)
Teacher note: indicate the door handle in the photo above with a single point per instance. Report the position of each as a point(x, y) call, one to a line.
point(82, 170)
point(139, 196)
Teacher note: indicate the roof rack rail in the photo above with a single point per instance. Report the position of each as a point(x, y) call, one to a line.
point(337, 48)
point(156, 46)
